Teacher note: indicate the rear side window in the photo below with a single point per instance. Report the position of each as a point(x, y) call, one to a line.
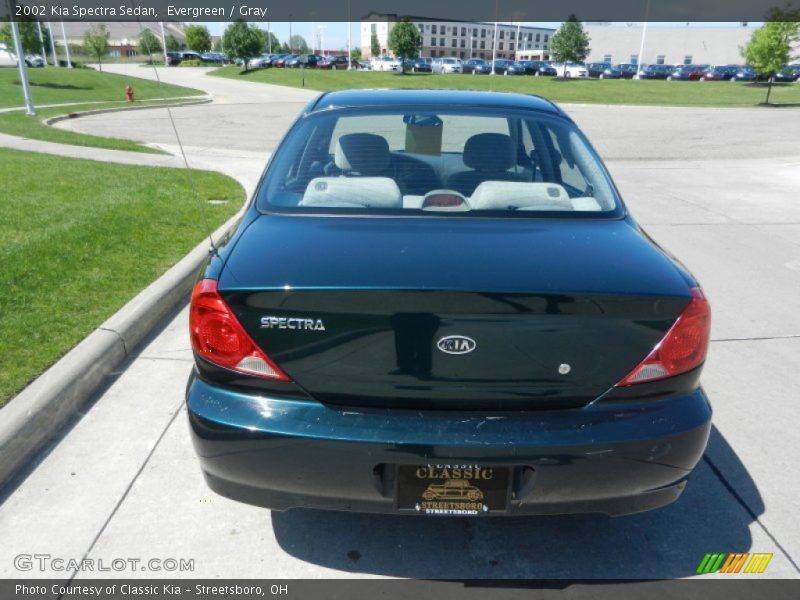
point(459, 162)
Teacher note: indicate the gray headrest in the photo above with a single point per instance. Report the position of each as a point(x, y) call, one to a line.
point(489, 152)
point(364, 153)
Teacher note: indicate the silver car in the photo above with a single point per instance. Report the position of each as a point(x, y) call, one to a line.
point(446, 65)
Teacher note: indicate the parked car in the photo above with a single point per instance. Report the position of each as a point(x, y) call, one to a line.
point(627, 70)
point(500, 66)
point(418, 65)
point(446, 65)
point(190, 55)
point(475, 66)
point(280, 62)
point(173, 59)
point(352, 377)
point(787, 73)
point(687, 73)
point(544, 68)
point(334, 63)
point(745, 74)
point(385, 63)
point(597, 69)
point(571, 69)
point(719, 73)
point(656, 71)
point(261, 62)
point(34, 60)
point(219, 58)
point(302, 60)
point(611, 72)
point(524, 67)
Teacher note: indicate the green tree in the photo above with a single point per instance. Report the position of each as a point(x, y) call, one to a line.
point(149, 43)
point(374, 46)
point(217, 45)
point(173, 45)
point(242, 40)
point(285, 48)
point(95, 42)
point(404, 41)
point(298, 44)
point(355, 53)
point(28, 36)
point(770, 47)
point(570, 43)
point(198, 38)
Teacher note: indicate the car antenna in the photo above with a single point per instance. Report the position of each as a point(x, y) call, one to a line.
point(212, 249)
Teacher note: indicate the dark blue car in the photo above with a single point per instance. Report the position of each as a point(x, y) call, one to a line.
point(437, 303)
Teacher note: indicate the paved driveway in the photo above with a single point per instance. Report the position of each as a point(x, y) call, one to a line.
point(123, 482)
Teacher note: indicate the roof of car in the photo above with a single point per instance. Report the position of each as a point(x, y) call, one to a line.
point(448, 98)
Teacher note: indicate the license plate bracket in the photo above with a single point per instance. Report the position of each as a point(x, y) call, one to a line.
point(452, 489)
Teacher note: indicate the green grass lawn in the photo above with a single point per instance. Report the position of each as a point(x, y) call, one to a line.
point(55, 86)
point(19, 124)
point(606, 91)
point(80, 239)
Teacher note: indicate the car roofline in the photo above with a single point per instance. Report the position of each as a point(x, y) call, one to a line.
point(318, 105)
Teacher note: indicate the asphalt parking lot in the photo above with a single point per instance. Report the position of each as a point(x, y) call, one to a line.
point(718, 187)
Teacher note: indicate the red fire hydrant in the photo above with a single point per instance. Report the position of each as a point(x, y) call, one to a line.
point(129, 93)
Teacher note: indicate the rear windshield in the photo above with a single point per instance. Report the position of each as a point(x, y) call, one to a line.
point(470, 163)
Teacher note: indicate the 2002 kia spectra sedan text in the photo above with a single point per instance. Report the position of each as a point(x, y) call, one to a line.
point(437, 303)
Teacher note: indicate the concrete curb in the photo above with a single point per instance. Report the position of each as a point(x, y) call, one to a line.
point(99, 111)
point(37, 413)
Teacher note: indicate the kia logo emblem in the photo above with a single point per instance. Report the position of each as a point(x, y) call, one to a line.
point(456, 344)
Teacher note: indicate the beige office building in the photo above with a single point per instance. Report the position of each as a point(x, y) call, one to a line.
point(671, 45)
point(461, 39)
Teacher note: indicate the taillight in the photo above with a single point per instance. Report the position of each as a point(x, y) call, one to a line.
point(218, 337)
point(682, 349)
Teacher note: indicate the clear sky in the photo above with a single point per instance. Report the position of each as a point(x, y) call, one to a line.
point(335, 34)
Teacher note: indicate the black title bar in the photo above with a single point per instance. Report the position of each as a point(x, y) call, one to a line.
point(507, 11)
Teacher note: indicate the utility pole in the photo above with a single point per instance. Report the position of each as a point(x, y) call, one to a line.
point(494, 47)
point(41, 42)
point(494, 41)
point(291, 48)
point(269, 36)
point(349, 39)
point(66, 45)
point(52, 44)
point(163, 42)
point(321, 29)
point(516, 46)
point(23, 67)
point(644, 33)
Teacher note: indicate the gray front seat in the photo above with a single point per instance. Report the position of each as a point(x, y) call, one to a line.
point(490, 156)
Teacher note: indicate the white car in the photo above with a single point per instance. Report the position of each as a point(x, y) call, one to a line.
point(7, 58)
point(570, 69)
point(385, 63)
point(446, 65)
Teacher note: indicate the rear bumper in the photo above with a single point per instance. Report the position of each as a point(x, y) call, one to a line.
point(282, 453)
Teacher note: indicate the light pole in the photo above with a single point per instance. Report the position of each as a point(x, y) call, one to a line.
point(321, 29)
point(349, 39)
point(66, 45)
point(641, 45)
point(52, 44)
point(163, 42)
point(23, 67)
point(41, 42)
point(494, 47)
point(269, 35)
